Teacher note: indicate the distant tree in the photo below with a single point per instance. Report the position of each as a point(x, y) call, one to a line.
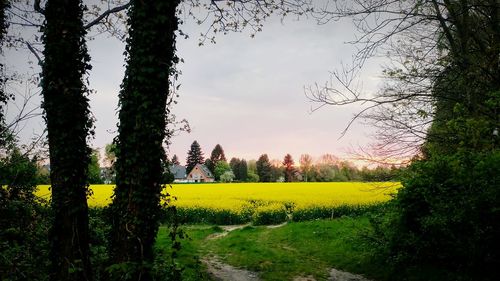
point(239, 168)
point(94, 173)
point(305, 166)
point(242, 171)
point(234, 163)
point(220, 168)
point(227, 176)
point(175, 160)
point(322, 173)
point(195, 156)
point(290, 170)
point(216, 156)
point(252, 177)
point(329, 159)
point(210, 165)
point(252, 166)
point(110, 154)
point(264, 168)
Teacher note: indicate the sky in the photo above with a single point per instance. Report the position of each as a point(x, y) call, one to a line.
point(246, 94)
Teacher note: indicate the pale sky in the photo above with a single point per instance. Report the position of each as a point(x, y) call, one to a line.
point(244, 93)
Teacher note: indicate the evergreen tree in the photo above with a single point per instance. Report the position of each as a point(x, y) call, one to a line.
point(242, 170)
point(175, 160)
point(264, 168)
point(216, 156)
point(289, 168)
point(195, 156)
point(234, 164)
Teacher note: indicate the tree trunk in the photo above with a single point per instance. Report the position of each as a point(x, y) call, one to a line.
point(68, 125)
point(143, 97)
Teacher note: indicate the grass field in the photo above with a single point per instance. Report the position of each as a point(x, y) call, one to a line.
point(261, 203)
point(284, 253)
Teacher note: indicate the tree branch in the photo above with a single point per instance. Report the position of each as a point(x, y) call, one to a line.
point(38, 8)
point(105, 14)
point(34, 52)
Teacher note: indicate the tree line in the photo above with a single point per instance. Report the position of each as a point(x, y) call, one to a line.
point(327, 168)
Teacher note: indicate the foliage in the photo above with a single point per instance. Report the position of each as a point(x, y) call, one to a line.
point(239, 168)
point(94, 170)
point(289, 168)
point(252, 177)
point(63, 69)
point(307, 249)
point(145, 91)
point(4, 97)
point(220, 168)
point(24, 223)
point(175, 160)
point(227, 176)
point(216, 156)
point(305, 166)
point(263, 167)
point(195, 156)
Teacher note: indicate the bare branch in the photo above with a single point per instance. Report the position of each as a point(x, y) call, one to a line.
point(34, 52)
point(38, 8)
point(105, 14)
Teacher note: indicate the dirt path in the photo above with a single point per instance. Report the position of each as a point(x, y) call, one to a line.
point(337, 275)
point(224, 272)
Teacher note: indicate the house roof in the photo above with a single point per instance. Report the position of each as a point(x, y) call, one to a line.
point(204, 170)
point(178, 171)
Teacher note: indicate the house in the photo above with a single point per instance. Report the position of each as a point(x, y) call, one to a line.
point(200, 173)
point(179, 173)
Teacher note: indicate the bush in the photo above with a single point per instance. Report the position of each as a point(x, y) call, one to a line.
point(446, 216)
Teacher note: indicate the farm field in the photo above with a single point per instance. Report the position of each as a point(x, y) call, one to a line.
point(261, 203)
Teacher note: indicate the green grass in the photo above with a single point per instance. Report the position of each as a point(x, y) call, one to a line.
point(305, 248)
point(296, 249)
point(191, 251)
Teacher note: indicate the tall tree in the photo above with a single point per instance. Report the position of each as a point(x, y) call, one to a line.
point(264, 168)
point(195, 156)
point(216, 156)
point(242, 171)
point(136, 208)
point(4, 5)
point(305, 166)
point(67, 115)
point(289, 168)
point(175, 160)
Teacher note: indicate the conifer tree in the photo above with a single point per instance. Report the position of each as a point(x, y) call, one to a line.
point(195, 156)
point(175, 160)
point(264, 168)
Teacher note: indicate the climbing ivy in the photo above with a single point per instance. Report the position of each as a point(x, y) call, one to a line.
point(4, 5)
point(136, 206)
point(67, 115)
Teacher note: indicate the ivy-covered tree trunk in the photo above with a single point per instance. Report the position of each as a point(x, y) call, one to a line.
point(141, 131)
point(66, 109)
point(4, 4)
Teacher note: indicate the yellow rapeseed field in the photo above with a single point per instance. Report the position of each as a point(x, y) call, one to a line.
point(238, 196)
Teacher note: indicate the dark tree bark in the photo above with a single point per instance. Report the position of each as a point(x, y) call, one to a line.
point(4, 5)
point(68, 125)
point(143, 108)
